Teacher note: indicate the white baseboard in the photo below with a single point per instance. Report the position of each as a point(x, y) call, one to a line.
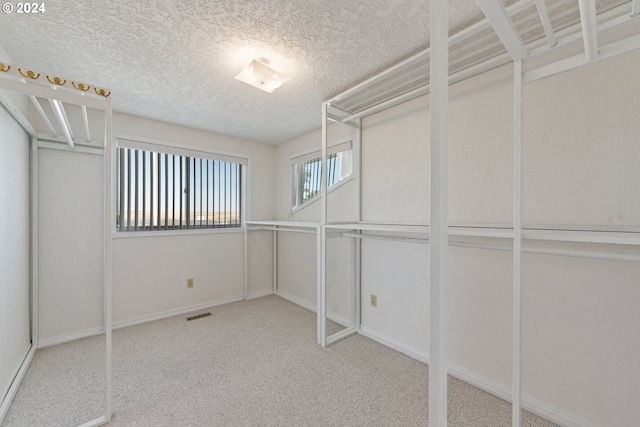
point(259, 294)
point(331, 315)
point(175, 312)
point(531, 404)
point(296, 300)
point(399, 346)
point(71, 336)
point(15, 384)
point(552, 413)
point(339, 319)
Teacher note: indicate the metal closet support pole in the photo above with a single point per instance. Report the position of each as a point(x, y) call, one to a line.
point(323, 168)
point(245, 261)
point(321, 242)
point(439, 65)
point(517, 240)
point(109, 228)
point(321, 288)
point(275, 260)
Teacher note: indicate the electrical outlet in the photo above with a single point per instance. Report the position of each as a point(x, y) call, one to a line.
point(374, 301)
point(189, 283)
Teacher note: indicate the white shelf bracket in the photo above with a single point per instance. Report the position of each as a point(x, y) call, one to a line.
point(58, 110)
point(589, 29)
point(85, 118)
point(546, 22)
point(502, 24)
point(11, 107)
point(46, 120)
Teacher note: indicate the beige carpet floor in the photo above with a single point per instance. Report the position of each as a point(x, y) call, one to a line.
point(252, 363)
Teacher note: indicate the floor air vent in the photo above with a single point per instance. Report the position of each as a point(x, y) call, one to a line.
point(198, 316)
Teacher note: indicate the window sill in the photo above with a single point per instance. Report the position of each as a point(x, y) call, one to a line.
point(174, 233)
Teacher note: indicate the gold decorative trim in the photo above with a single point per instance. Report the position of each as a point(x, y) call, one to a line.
point(25, 73)
point(102, 92)
point(57, 81)
point(81, 86)
point(30, 74)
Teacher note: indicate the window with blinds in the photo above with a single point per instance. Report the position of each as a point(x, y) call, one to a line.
point(307, 173)
point(165, 189)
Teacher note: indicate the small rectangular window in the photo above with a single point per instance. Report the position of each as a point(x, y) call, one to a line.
point(176, 191)
point(307, 172)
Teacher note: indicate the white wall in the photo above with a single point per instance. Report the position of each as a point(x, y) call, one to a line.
point(297, 253)
point(71, 242)
point(150, 273)
point(581, 148)
point(580, 332)
point(15, 338)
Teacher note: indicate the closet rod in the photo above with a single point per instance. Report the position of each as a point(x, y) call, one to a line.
point(506, 248)
point(58, 110)
point(546, 22)
point(85, 118)
point(559, 252)
point(389, 238)
point(589, 28)
point(291, 230)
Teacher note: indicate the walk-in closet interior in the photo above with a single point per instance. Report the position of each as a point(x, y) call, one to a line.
point(472, 205)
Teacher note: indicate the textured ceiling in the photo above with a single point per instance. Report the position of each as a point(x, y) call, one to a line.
point(175, 61)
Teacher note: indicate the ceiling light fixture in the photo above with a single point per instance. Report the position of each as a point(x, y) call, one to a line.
point(259, 74)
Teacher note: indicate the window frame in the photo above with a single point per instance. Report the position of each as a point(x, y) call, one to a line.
point(180, 149)
point(307, 153)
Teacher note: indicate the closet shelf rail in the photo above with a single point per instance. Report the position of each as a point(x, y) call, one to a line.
point(48, 95)
point(598, 235)
point(540, 32)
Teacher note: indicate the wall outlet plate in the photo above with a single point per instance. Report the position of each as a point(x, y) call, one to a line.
point(189, 283)
point(374, 300)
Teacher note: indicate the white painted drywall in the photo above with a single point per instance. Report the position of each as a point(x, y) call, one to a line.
point(480, 312)
point(395, 152)
point(581, 148)
point(297, 253)
point(297, 264)
point(580, 330)
point(581, 336)
point(259, 263)
point(297, 278)
point(15, 337)
point(395, 273)
point(71, 240)
point(150, 273)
